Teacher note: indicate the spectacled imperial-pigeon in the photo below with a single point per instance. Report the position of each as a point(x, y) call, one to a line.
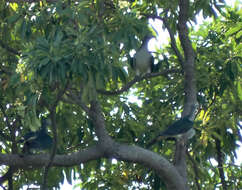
point(143, 61)
point(37, 141)
point(182, 128)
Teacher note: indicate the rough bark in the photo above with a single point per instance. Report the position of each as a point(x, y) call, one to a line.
point(134, 153)
point(189, 83)
point(106, 147)
point(123, 152)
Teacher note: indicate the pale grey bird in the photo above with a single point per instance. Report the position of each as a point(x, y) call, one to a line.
point(143, 61)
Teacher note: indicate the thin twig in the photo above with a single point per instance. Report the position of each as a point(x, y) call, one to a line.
point(195, 168)
point(54, 130)
point(171, 34)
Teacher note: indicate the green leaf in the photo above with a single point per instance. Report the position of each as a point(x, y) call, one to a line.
point(239, 90)
point(44, 62)
point(58, 38)
point(234, 30)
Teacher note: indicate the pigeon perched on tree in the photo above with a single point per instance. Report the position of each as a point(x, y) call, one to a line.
point(182, 128)
point(143, 61)
point(37, 141)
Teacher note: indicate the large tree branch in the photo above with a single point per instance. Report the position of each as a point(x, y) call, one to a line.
point(105, 148)
point(189, 82)
point(134, 154)
point(128, 153)
point(189, 65)
point(40, 160)
point(152, 160)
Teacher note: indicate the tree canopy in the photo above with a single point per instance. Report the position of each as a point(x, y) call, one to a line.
point(69, 61)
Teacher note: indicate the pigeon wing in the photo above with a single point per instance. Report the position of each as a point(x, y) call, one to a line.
point(179, 127)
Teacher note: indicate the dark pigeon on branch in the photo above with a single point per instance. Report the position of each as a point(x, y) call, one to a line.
point(37, 141)
point(183, 128)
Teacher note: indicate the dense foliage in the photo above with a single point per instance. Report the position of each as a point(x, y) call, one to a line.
point(51, 50)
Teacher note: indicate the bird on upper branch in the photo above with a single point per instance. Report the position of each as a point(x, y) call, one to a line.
point(37, 141)
point(182, 128)
point(143, 61)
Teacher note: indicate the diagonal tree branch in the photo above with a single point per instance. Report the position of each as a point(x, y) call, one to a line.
point(105, 141)
point(132, 153)
point(137, 79)
point(152, 160)
point(173, 42)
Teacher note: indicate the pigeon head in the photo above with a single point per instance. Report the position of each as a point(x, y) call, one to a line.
point(193, 112)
